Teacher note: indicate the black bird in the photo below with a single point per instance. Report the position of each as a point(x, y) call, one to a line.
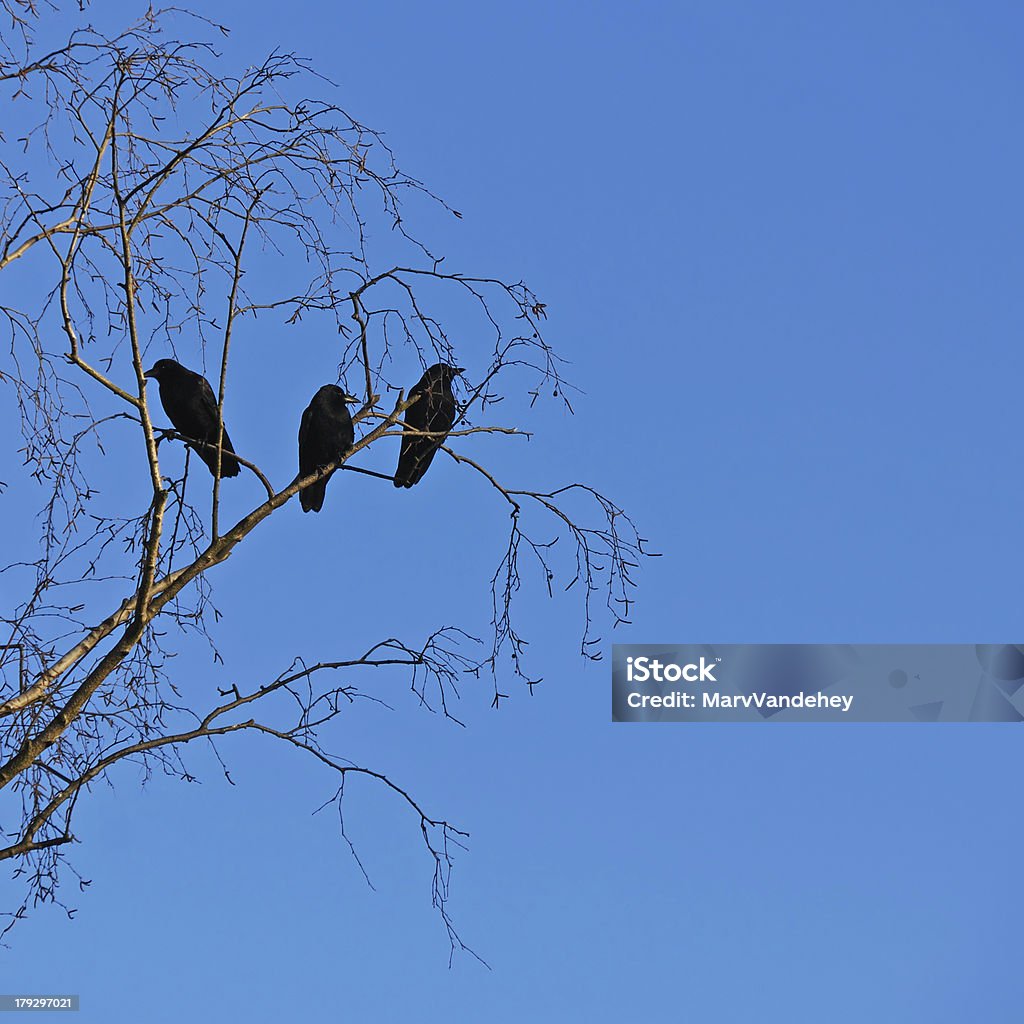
point(325, 435)
point(191, 406)
point(435, 411)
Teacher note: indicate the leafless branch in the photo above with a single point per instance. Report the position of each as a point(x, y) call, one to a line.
point(155, 202)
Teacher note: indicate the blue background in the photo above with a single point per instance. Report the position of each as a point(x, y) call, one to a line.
point(782, 247)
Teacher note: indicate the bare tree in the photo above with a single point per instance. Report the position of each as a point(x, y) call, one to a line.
point(146, 192)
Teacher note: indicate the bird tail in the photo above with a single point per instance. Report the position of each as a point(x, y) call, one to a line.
point(410, 471)
point(229, 465)
point(407, 476)
point(311, 498)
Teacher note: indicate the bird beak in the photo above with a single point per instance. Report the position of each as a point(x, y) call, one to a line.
point(150, 373)
point(351, 399)
point(459, 370)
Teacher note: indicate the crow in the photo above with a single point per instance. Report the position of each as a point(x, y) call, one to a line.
point(325, 435)
point(191, 406)
point(435, 412)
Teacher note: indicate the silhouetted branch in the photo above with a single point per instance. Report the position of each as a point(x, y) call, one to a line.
point(155, 202)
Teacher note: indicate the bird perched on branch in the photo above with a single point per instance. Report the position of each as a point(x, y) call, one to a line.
point(191, 406)
point(325, 435)
point(434, 411)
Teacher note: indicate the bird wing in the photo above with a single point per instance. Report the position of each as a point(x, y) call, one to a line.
point(437, 416)
point(416, 418)
point(203, 424)
point(311, 497)
point(307, 435)
point(206, 397)
point(345, 435)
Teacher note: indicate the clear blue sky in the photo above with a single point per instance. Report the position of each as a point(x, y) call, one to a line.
point(782, 246)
